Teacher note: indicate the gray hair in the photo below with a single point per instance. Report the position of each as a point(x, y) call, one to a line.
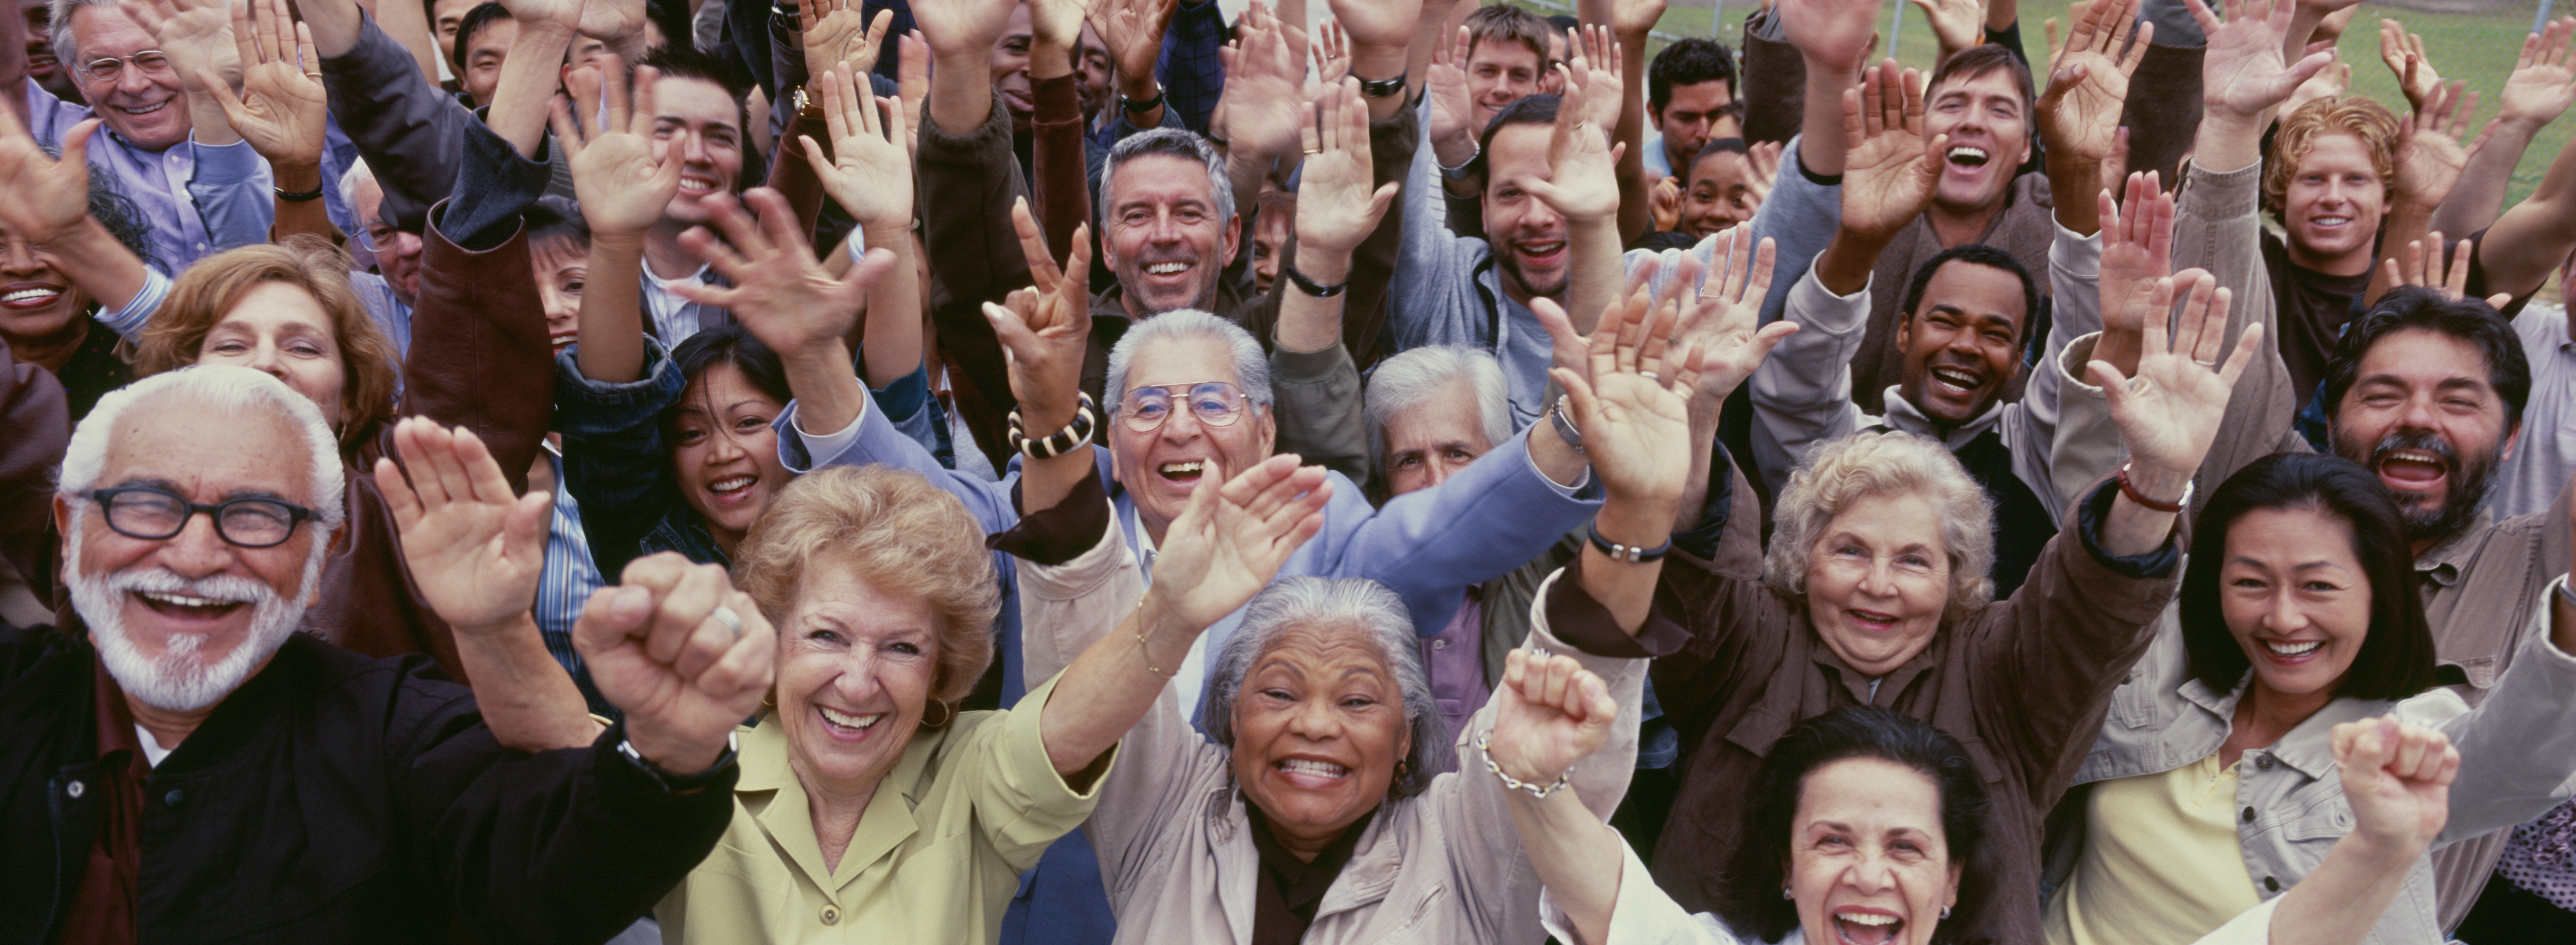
point(1889, 462)
point(358, 173)
point(1408, 380)
point(1172, 142)
point(1362, 605)
point(61, 12)
point(1251, 367)
point(226, 391)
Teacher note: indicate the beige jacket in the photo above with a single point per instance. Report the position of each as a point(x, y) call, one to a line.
point(1175, 846)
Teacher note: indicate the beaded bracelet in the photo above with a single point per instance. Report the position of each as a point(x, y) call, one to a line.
point(1485, 741)
point(1062, 441)
point(1145, 657)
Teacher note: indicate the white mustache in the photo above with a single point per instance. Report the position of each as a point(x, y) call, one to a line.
point(221, 587)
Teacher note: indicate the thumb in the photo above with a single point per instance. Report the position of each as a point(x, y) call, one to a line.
point(76, 142)
point(529, 516)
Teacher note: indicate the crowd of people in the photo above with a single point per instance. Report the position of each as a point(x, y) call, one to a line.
point(1332, 471)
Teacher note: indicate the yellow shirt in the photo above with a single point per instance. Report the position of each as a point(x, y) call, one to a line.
point(935, 858)
point(2161, 861)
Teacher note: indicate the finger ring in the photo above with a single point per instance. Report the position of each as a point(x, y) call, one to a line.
point(726, 616)
point(1650, 375)
point(2206, 364)
point(1314, 151)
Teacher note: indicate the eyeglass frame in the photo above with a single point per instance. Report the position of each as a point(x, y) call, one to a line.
point(296, 515)
point(88, 70)
point(1127, 417)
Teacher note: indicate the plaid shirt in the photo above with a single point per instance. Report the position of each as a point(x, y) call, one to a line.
point(1193, 77)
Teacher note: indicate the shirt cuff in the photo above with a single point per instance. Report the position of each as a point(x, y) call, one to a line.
point(830, 444)
point(1574, 617)
point(1053, 536)
point(226, 163)
point(2089, 517)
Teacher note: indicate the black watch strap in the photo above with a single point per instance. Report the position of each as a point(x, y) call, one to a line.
point(1311, 287)
point(1383, 88)
point(293, 197)
point(679, 783)
point(1133, 106)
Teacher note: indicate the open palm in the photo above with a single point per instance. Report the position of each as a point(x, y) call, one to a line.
point(869, 171)
point(962, 26)
point(838, 31)
point(1633, 408)
point(2544, 78)
point(2242, 71)
point(2137, 250)
point(195, 34)
point(1891, 169)
point(622, 188)
point(1336, 206)
point(281, 107)
point(786, 297)
point(1133, 30)
point(2169, 412)
point(41, 195)
point(1723, 320)
point(475, 549)
point(2089, 83)
point(1231, 540)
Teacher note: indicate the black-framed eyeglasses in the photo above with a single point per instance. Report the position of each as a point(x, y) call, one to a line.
point(1215, 403)
point(108, 68)
point(153, 513)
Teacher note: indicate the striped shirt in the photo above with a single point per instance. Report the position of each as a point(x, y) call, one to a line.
point(566, 584)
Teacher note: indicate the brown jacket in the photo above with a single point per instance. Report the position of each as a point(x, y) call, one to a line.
point(2023, 684)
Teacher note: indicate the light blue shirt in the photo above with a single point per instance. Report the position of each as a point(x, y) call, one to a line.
point(198, 199)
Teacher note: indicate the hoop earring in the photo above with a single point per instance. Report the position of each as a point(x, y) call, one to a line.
point(947, 714)
point(1945, 912)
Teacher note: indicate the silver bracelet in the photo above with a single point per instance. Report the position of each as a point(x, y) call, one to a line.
point(1485, 741)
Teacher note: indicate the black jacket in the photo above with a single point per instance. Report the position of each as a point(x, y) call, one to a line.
point(335, 798)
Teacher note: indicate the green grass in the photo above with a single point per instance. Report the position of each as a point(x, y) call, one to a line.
point(2477, 47)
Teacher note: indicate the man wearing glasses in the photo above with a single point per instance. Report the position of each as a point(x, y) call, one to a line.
point(200, 186)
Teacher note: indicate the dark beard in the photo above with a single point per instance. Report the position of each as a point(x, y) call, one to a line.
point(2469, 481)
point(1511, 263)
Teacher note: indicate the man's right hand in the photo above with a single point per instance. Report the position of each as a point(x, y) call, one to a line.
point(963, 28)
point(2242, 72)
point(1336, 208)
point(1046, 328)
point(41, 195)
point(869, 172)
point(1890, 169)
point(622, 188)
point(1232, 538)
point(837, 31)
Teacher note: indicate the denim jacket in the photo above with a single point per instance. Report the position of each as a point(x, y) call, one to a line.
point(2517, 755)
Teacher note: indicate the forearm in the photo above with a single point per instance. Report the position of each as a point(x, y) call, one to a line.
point(1110, 686)
point(961, 90)
point(1308, 323)
point(1636, 212)
point(2478, 199)
point(101, 266)
point(1820, 131)
point(335, 25)
point(1575, 855)
point(1139, 86)
point(2131, 529)
point(528, 700)
point(527, 85)
point(2228, 141)
point(301, 216)
point(1596, 276)
point(2344, 898)
point(1704, 414)
point(611, 336)
point(1556, 459)
point(1628, 590)
point(1844, 267)
point(408, 23)
point(2408, 221)
point(207, 123)
point(893, 324)
point(828, 394)
point(2072, 183)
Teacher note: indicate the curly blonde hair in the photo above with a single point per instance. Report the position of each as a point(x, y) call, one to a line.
point(1891, 463)
point(902, 535)
point(2357, 115)
point(207, 292)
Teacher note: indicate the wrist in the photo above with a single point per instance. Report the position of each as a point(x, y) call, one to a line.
point(1049, 61)
point(1323, 263)
point(1139, 88)
point(515, 621)
point(2158, 482)
point(1642, 521)
point(2386, 851)
point(675, 755)
point(1454, 149)
point(297, 177)
point(1371, 61)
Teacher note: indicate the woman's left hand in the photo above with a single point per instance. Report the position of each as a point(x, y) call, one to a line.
point(1634, 408)
point(1232, 538)
point(780, 291)
point(1549, 713)
point(2169, 413)
point(476, 550)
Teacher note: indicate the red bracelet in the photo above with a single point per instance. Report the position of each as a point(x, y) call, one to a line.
point(2126, 489)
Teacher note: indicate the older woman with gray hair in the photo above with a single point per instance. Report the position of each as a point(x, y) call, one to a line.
point(1875, 592)
point(1320, 806)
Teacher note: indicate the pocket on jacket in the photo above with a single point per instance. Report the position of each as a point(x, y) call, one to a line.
point(2133, 704)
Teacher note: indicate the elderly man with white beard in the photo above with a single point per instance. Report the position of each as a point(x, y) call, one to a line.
point(287, 790)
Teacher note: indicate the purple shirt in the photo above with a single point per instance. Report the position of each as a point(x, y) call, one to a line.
point(198, 199)
point(1455, 662)
point(2541, 857)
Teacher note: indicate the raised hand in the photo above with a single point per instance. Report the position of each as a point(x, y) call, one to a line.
point(1378, 23)
point(1332, 50)
point(280, 108)
point(1549, 713)
point(195, 34)
point(2137, 250)
point(912, 80)
point(41, 195)
point(787, 298)
point(837, 32)
point(1046, 328)
point(2430, 156)
point(1834, 32)
point(1723, 320)
point(1665, 202)
point(1593, 77)
point(1453, 111)
point(1635, 18)
point(2403, 52)
point(1762, 160)
point(2420, 268)
point(622, 188)
point(869, 171)
point(660, 646)
point(1633, 408)
point(2397, 777)
point(2169, 412)
point(1261, 103)
point(962, 27)
point(475, 550)
point(1133, 31)
point(1230, 541)
point(2242, 71)
point(569, 14)
point(1956, 24)
point(1336, 207)
point(1890, 169)
point(2089, 82)
point(2543, 83)
point(1586, 187)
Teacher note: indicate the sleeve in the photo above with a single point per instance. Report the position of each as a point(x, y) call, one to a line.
point(615, 464)
point(2216, 228)
point(566, 845)
point(2518, 747)
point(37, 417)
point(2056, 649)
point(1058, 160)
point(1193, 75)
point(2250, 927)
point(2031, 427)
point(973, 252)
point(1430, 264)
point(1644, 914)
point(1063, 610)
point(234, 194)
point(479, 344)
point(1497, 882)
point(409, 130)
point(1801, 395)
point(1021, 803)
point(494, 185)
point(877, 440)
point(1319, 408)
point(1430, 545)
point(128, 322)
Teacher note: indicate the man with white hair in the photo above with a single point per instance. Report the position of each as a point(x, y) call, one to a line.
point(285, 789)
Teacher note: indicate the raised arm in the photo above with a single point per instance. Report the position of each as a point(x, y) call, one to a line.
point(2169, 413)
point(1133, 30)
point(1585, 189)
point(45, 201)
point(2080, 112)
point(1722, 319)
point(622, 191)
point(870, 175)
point(1046, 327)
point(476, 552)
point(1336, 209)
point(961, 35)
point(1631, 24)
point(1385, 38)
point(2541, 87)
point(280, 108)
point(197, 36)
point(790, 302)
point(2429, 161)
point(1549, 713)
point(407, 127)
point(1831, 36)
point(2529, 241)
point(2243, 78)
point(2397, 778)
point(1226, 546)
point(1892, 168)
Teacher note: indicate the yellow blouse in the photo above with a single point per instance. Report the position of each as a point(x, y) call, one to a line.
point(936, 857)
point(2161, 861)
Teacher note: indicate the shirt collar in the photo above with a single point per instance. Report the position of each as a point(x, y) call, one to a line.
point(2443, 562)
point(1903, 415)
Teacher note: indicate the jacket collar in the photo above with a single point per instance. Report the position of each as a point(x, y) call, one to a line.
point(769, 788)
point(1856, 683)
point(1903, 415)
point(2309, 745)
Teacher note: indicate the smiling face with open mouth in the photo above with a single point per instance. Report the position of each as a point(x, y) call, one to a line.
point(1160, 467)
point(2296, 597)
point(1989, 128)
point(145, 107)
point(1318, 727)
point(2423, 413)
point(1962, 344)
point(1529, 238)
point(1869, 863)
point(710, 120)
point(724, 452)
point(2332, 206)
point(1878, 581)
point(37, 302)
point(1166, 238)
point(855, 670)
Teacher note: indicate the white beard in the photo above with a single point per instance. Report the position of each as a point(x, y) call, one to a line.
point(182, 679)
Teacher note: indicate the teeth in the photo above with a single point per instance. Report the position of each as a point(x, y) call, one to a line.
point(1866, 918)
point(1542, 249)
point(144, 111)
point(2415, 456)
point(1303, 766)
point(2293, 649)
point(30, 295)
point(183, 600)
point(846, 720)
point(1954, 378)
point(732, 483)
point(1166, 269)
point(1188, 467)
point(1967, 153)
point(696, 185)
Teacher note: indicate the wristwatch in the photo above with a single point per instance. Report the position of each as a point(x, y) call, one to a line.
point(1134, 107)
point(680, 783)
point(1383, 88)
point(1464, 168)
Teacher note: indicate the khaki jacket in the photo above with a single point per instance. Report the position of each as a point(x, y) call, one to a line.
point(1175, 844)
